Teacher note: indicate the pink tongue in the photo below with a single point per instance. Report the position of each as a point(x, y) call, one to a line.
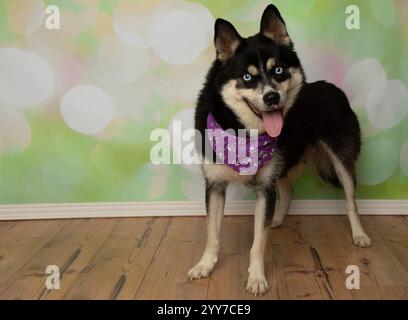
point(273, 123)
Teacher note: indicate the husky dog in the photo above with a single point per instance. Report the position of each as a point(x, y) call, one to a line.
point(258, 83)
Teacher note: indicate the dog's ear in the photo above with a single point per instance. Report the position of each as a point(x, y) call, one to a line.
point(226, 39)
point(273, 26)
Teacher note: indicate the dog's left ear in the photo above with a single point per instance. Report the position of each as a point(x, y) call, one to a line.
point(273, 26)
point(226, 39)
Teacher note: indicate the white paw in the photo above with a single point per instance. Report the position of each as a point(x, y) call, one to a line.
point(257, 285)
point(276, 223)
point(362, 240)
point(199, 271)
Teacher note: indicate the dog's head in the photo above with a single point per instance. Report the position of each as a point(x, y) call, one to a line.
point(260, 75)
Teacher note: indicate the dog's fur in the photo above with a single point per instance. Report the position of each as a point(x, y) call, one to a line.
point(319, 127)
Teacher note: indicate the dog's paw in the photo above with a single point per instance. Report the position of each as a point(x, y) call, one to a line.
point(257, 285)
point(199, 271)
point(276, 223)
point(362, 240)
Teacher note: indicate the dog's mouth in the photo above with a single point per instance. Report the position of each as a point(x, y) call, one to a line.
point(253, 108)
point(272, 120)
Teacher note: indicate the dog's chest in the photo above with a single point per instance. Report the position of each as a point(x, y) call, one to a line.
point(265, 176)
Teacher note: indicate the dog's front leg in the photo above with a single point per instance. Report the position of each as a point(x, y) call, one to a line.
point(264, 208)
point(215, 201)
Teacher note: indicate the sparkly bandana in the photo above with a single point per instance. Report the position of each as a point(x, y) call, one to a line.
point(244, 154)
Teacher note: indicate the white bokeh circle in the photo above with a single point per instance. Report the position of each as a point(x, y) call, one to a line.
point(15, 131)
point(378, 160)
point(26, 78)
point(201, 12)
point(360, 78)
point(86, 109)
point(387, 104)
point(180, 31)
point(123, 63)
point(131, 20)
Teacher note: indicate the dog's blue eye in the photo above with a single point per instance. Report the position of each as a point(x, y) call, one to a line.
point(278, 70)
point(247, 77)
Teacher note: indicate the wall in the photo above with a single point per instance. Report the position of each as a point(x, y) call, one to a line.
point(77, 105)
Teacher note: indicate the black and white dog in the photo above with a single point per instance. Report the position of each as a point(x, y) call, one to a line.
point(258, 83)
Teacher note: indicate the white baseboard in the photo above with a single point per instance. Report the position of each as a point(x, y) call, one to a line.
point(188, 208)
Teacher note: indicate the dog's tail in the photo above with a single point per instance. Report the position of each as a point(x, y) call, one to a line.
point(323, 166)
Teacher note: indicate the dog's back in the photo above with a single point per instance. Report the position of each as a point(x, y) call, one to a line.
point(321, 114)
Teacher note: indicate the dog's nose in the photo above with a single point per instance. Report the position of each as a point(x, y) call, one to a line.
point(271, 98)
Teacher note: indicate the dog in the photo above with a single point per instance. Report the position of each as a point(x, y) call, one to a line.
point(259, 83)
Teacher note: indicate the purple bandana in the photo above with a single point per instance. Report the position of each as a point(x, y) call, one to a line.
point(246, 155)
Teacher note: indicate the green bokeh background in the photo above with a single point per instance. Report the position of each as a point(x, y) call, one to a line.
point(62, 165)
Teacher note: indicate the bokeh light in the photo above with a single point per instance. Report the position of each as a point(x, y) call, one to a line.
point(360, 78)
point(387, 104)
point(131, 20)
point(378, 160)
point(26, 78)
point(86, 109)
point(15, 131)
point(118, 69)
point(180, 31)
point(123, 62)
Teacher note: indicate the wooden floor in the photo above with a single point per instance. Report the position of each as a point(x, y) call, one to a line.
point(148, 258)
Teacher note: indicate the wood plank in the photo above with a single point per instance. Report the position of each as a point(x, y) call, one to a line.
point(298, 233)
point(345, 253)
point(6, 226)
point(148, 258)
point(166, 277)
point(21, 242)
point(141, 257)
point(121, 262)
point(227, 281)
point(327, 276)
point(378, 266)
point(293, 246)
point(70, 249)
point(386, 268)
point(394, 293)
point(393, 231)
